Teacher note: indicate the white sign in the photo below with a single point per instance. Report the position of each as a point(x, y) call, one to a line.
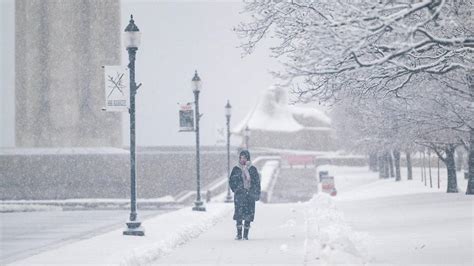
point(186, 118)
point(117, 89)
point(220, 135)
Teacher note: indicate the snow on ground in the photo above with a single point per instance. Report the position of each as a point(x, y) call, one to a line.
point(167, 199)
point(407, 222)
point(64, 150)
point(55, 205)
point(360, 183)
point(27, 208)
point(163, 234)
point(330, 237)
point(310, 233)
point(414, 229)
point(370, 221)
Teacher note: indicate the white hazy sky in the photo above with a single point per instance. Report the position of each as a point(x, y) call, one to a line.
point(177, 38)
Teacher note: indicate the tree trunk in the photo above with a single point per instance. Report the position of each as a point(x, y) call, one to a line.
point(429, 168)
point(396, 156)
point(387, 165)
point(390, 164)
point(373, 162)
point(424, 168)
point(451, 168)
point(381, 164)
point(409, 167)
point(439, 186)
point(421, 167)
point(470, 181)
point(459, 160)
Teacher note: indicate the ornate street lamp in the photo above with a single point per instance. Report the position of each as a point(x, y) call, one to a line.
point(228, 112)
point(196, 85)
point(131, 42)
point(247, 136)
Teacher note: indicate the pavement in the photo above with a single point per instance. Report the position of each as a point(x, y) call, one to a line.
point(25, 234)
point(277, 237)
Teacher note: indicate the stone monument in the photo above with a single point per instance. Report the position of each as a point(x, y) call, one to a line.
point(60, 47)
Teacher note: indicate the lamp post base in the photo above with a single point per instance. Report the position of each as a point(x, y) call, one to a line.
point(134, 228)
point(199, 206)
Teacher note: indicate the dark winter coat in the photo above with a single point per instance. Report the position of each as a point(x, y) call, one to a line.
point(244, 199)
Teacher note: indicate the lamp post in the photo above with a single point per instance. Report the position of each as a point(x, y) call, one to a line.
point(228, 112)
point(247, 136)
point(196, 84)
point(132, 41)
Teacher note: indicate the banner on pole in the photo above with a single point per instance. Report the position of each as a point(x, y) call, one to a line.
point(186, 117)
point(220, 135)
point(117, 88)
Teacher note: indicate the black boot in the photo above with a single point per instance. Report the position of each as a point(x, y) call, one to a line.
point(239, 232)
point(246, 232)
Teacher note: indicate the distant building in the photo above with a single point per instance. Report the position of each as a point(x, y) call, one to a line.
point(273, 123)
point(60, 47)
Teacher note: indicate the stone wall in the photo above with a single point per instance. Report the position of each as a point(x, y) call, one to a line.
point(93, 173)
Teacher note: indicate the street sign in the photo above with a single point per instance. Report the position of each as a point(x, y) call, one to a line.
point(186, 118)
point(327, 184)
point(117, 89)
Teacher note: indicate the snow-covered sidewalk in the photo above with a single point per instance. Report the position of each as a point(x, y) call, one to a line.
point(307, 233)
point(310, 233)
point(163, 234)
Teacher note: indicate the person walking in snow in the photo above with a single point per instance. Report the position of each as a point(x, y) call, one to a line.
point(244, 181)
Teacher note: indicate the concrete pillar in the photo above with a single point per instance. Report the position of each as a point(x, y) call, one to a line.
point(60, 48)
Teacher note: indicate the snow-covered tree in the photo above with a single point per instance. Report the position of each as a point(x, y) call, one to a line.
point(339, 50)
point(376, 46)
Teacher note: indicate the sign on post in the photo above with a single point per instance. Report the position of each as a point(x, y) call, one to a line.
point(327, 184)
point(220, 135)
point(186, 118)
point(117, 89)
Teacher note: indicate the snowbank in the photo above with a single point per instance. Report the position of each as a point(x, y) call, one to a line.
point(27, 208)
point(48, 205)
point(192, 225)
point(167, 198)
point(63, 150)
point(329, 235)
